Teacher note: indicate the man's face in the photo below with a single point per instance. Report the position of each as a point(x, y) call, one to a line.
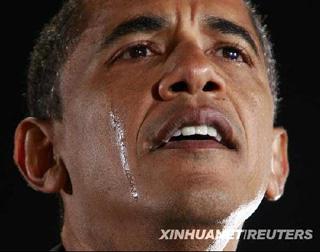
point(179, 64)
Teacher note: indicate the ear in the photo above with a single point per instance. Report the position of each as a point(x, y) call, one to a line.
point(33, 154)
point(279, 165)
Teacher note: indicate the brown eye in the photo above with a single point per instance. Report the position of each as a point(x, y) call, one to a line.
point(231, 53)
point(137, 51)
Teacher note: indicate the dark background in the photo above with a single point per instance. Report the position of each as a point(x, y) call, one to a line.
point(29, 220)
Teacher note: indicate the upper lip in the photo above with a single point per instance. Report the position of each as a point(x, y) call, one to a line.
point(196, 116)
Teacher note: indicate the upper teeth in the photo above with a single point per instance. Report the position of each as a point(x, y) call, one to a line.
point(198, 130)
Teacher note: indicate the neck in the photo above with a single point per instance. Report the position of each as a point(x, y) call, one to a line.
point(129, 229)
point(143, 234)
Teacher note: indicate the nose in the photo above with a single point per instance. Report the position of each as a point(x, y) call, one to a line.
point(192, 73)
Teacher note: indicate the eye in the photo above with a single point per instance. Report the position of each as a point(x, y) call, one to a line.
point(136, 52)
point(232, 53)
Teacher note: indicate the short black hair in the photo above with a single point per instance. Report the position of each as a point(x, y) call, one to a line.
point(267, 47)
point(59, 38)
point(56, 42)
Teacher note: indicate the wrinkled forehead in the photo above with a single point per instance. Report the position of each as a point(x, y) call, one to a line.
point(111, 12)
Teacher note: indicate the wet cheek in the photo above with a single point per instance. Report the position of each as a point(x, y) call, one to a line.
point(133, 98)
point(90, 153)
point(130, 101)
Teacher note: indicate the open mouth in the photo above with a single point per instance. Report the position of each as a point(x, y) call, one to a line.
point(201, 132)
point(196, 129)
point(201, 136)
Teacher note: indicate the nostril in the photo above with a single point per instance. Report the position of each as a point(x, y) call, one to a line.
point(179, 87)
point(210, 86)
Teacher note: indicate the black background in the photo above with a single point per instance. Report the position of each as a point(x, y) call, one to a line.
point(29, 220)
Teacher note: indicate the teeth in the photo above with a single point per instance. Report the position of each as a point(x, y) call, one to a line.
point(177, 133)
point(212, 132)
point(219, 138)
point(188, 131)
point(202, 130)
point(199, 130)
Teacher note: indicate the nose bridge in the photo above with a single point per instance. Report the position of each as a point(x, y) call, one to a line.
point(192, 64)
point(190, 71)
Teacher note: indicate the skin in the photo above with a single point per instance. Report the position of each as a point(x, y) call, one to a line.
point(99, 153)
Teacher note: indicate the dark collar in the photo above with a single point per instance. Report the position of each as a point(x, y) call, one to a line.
point(58, 248)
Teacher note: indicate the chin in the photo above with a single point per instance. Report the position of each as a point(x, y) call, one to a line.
point(205, 207)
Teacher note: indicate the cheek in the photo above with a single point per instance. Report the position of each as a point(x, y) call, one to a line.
point(132, 103)
point(94, 155)
point(253, 101)
point(128, 106)
point(132, 96)
point(89, 147)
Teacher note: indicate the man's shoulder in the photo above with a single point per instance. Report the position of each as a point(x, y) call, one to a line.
point(58, 247)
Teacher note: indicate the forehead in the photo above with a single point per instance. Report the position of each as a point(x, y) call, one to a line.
point(111, 12)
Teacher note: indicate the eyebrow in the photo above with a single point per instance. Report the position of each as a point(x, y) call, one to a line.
point(227, 27)
point(140, 24)
point(149, 24)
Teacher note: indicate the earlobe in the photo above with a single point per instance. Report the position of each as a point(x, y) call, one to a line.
point(33, 154)
point(279, 165)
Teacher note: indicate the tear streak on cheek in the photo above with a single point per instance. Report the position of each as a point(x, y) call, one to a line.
point(120, 141)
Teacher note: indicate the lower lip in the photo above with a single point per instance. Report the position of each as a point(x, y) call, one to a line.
point(194, 144)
